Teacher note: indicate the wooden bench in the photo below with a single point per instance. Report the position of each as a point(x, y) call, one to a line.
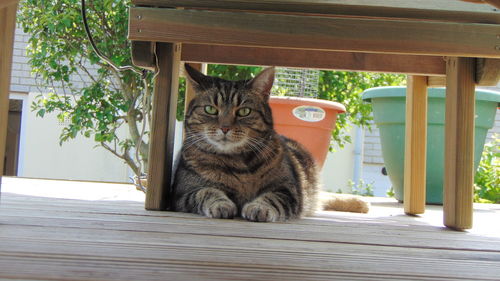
point(434, 42)
point(449, 42)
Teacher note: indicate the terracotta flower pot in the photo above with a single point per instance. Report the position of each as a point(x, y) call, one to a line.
point(308, 121)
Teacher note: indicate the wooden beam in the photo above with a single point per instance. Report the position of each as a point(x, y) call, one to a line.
point(8, 3)
point(494, 3)
point(143, 54)
point(436, 81)
point(161, 144)
point(459, 140)
point(8, 27)
point(318, 33)
point(328, 60)
point(442, 10)
point(487, 71)
point(487, 74)
point(415, 145)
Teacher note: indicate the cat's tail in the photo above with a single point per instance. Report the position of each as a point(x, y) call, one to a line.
point(343, 203)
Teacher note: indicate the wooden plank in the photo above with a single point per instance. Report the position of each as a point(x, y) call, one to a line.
point(415, 145)
point(319, 33)
point(5, 3)
point(494, 3)
point(342, 231)
point(443, 10)
point(75, 266)
point(436, 81)
point(487, 74)
point(172, 236)
point(384, 214)
point(163, 126)
point(328, 60)
point(7, 25)
point(383, 217)
point(459, 139)
point(487, 71)
point(62, 243)
point(143, 54)
point(256, 255)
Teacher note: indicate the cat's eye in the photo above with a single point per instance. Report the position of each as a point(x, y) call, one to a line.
point(211, 110)
point(244, 111)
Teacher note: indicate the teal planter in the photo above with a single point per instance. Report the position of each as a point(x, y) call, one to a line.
point(389, 107)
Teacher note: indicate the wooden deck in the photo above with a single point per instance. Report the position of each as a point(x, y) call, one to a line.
point(96, 231)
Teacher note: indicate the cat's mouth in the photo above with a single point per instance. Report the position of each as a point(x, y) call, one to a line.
point(226, 144)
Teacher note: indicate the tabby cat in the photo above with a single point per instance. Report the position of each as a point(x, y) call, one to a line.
point(233, 163)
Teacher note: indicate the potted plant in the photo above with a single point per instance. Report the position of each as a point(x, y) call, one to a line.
point(299, 115)
point(389, 107)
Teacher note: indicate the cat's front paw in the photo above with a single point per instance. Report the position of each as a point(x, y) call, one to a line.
point(259, 212)
point(221, 209)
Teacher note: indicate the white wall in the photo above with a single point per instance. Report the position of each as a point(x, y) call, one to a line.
point(77, 159)
point(40, 155)
point(372, 174)
point(339, 167)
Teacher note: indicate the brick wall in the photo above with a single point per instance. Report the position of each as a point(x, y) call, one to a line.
point(22, 80)
point(372, 149)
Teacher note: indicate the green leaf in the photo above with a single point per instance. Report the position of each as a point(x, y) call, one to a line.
point(67, 21)
point(41, 113)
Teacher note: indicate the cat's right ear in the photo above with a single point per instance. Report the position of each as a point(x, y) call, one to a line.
point(197, 79)
point(263, 82)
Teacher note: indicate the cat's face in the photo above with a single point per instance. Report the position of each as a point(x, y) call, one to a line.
point(229, 116)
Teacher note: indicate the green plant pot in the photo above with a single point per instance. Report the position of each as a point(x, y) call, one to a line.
point(389, 108)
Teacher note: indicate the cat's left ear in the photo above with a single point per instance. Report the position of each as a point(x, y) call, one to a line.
point(263, 82)
point(196, 78)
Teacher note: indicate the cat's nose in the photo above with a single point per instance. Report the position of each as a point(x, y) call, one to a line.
point(225, 129)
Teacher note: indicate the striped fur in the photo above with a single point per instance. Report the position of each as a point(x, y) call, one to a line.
point(249, 171)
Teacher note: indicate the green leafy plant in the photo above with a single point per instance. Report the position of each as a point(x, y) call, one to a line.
point(94, 99)
point(487, 178)
point(361, 188)
point(233, 72)
point(390, 192)
point(346, 88)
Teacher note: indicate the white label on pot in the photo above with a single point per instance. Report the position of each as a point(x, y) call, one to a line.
point(309, 113)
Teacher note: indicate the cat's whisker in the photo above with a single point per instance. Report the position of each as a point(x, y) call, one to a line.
point(192, 142)
point(255, 148)
point(264, 150)
point(192, 139)
point(262, 154)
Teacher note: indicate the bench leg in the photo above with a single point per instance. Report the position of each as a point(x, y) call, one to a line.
point(415, 145)
point(459, 143)
point(7, 27)
point(161, 145)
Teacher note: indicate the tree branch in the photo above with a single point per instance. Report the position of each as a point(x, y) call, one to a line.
point(125, 156)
